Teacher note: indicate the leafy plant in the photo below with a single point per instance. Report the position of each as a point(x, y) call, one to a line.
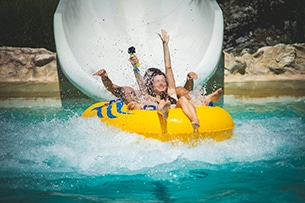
point(27, 23)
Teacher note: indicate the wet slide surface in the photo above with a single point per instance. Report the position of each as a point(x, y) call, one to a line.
point(95, 34)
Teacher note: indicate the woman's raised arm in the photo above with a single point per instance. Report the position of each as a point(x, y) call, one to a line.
point(168, 66)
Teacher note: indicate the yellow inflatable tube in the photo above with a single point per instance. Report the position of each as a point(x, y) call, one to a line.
point(216, 123)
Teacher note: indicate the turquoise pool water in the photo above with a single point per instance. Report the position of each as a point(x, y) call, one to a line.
point(54, 155)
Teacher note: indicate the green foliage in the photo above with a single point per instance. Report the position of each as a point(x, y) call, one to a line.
point(27, 23)
point(299, 16)
point(286, 16)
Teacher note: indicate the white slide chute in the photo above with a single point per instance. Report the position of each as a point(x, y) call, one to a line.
point(95, 34)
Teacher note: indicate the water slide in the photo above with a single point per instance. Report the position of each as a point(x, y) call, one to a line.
point(95, 34)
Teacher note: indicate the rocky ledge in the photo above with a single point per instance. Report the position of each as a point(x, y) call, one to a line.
point(279, 62)
point(28, 77)
point(270, 63)
point(28, 74)
point(27, 64)
point(276, 72)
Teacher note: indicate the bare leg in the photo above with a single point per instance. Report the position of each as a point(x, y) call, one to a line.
point(163, 107)
point(190, 111)
point(181, 91)
point(188, 86)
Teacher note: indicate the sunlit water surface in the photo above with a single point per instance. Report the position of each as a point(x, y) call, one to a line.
point(55, 155)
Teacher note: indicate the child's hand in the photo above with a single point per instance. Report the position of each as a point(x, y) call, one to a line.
point(192, 75)
point(101, 72)
point(133, 60)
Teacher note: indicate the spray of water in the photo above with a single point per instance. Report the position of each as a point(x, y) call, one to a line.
point(90, 147)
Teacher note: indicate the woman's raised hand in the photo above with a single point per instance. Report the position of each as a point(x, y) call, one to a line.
point(164, 36)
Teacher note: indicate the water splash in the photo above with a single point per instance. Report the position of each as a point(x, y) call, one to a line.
point(87, 146)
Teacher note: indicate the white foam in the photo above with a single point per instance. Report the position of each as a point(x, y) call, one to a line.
point(90, 147)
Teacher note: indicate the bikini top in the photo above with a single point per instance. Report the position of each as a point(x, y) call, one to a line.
point(165, 96)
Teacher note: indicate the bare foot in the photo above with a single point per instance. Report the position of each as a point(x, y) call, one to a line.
point(214, 97)
point(196, 126)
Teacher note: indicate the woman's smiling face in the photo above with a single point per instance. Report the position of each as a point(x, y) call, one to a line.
point(159, 84)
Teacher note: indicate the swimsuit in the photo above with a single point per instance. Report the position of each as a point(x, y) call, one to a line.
point(165, 96)
point(172, 100)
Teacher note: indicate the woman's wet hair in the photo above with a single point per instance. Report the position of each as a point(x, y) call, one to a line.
point(149, 76)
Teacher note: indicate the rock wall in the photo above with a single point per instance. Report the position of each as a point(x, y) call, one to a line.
point(28, 77)
point(268, 63)
point(252, 24)
point(27, 64)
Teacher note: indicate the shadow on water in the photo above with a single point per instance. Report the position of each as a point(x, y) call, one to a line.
point(161, 192)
